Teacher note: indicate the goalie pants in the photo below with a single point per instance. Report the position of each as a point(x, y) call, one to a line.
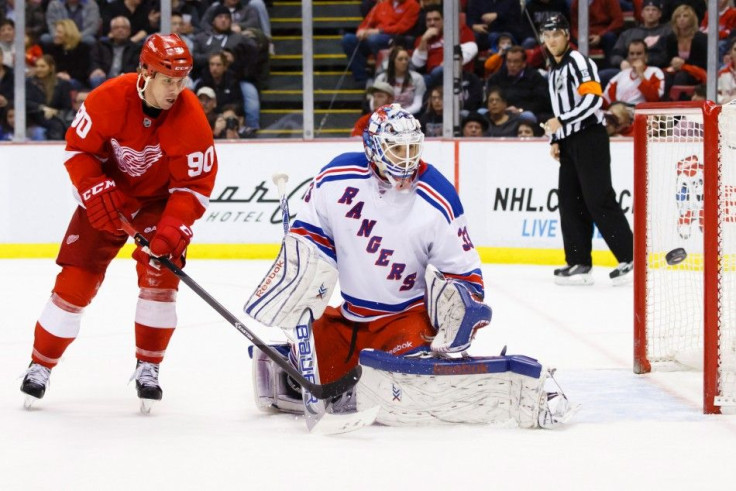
point(84, 256)
point(338, 341)
point(587, 197)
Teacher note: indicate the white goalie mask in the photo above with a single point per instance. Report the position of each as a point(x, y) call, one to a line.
point(393, 140)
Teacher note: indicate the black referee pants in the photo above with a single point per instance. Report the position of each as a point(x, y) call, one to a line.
point(586, 197)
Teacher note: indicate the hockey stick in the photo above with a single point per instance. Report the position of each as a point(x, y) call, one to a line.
point(320, 391)
point(316, 415)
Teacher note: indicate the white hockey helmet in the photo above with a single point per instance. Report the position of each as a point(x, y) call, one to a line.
point(393, 140)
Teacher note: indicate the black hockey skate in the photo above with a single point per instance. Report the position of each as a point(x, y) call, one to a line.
point(34, 383)
point(622, 274)
point(146, 384)
point(577, 274)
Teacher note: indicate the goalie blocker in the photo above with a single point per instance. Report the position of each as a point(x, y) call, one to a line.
point(422, 390)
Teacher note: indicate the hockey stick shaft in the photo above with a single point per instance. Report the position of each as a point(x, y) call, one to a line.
point(320, 391)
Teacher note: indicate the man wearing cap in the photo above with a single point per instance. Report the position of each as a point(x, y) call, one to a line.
point(245, 53)
point(474, 125)
point(379, 94)
point(580, 143)
point(208, 101)
point(651, 30)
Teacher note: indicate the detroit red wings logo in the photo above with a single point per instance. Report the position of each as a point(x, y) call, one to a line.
point(134, 162)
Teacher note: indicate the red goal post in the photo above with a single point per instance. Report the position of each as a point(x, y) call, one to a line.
point(685, 197)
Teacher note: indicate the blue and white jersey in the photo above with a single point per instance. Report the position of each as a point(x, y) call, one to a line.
point(381, 240)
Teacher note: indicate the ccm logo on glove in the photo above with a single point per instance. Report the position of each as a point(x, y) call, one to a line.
point(104, 203)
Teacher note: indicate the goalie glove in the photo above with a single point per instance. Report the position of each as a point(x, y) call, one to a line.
point(454, 311)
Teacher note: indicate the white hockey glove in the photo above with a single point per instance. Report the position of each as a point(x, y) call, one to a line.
point(299, 279)
point(453, 311)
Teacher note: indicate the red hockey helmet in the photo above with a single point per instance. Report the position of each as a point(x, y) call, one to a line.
point(166, 54)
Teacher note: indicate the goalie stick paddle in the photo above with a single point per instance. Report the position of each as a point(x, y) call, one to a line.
point(320, 391)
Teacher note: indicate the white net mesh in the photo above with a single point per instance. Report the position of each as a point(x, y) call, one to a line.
point(727, 253)
point(675, 196)
point(674, 303)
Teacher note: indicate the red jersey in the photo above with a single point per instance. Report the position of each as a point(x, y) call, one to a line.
point(170, 157)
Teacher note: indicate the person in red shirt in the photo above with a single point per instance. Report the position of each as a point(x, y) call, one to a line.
point(605, 23)
point(139, 149)
point(379, 94)
point(385, 20)
point(429, 48)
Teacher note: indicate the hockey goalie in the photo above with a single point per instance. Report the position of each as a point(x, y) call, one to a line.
point(391, 229)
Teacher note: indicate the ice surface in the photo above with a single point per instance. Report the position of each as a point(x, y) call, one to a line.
point(633, 431)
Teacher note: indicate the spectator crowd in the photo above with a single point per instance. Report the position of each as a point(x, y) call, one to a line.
point(645, 50)
point(73, 46)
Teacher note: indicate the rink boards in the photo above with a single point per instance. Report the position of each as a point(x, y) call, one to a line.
point(508, 188)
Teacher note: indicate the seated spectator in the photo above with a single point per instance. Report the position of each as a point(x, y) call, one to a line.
point(639, 82)
point(431, 120)
point(471, 92)
point(652, 31)
point(244, 14)
point(47, 97)
point(619, 119)
point(222, 81)
point(525, 89)
point(501, 122)
point(474, 125)
point(177, 27)
point(7, 87)
point(493, 63)
point(700, 7)
point(699, 93)
point(379, 94)
point(84, 13)
point(429, 48)
point(72, 57)
point(538, 11)
point(33, 52)
point(77, 101)
point(489, 18)
point(726, 23)
point(605, 22)
point(687, 49)
point(115, 54)
point(230, 125)
point(244, 52)
point(409, 88)
point(191, 13)
point(136, 11)
point(527, 130)
point(7, 35)
point(727, 75)
point(208, 101)
point(7, 123)
point(383, 22)
point(35, 18)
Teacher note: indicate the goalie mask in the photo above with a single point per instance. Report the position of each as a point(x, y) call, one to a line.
point(393, 141)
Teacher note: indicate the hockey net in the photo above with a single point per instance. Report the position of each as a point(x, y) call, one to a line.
point(685, 191)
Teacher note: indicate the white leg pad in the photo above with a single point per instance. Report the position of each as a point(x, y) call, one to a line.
point(441, 391)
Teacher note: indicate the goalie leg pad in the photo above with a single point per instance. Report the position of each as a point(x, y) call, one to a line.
point(501, 390)
point(453, 311)
point(272, 387)
point(300, 278)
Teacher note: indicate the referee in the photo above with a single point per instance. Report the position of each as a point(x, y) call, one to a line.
point(580, 143)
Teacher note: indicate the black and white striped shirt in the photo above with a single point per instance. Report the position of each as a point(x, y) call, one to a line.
point(576, 93)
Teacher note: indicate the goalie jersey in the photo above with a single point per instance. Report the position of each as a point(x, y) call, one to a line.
point(381, 240)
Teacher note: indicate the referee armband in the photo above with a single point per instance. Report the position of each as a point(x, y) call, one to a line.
point(590, 87)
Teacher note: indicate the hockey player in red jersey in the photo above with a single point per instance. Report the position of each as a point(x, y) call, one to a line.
point(140, 146)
